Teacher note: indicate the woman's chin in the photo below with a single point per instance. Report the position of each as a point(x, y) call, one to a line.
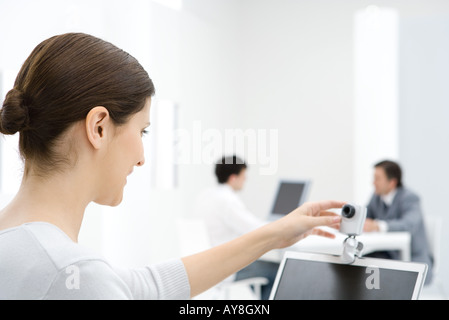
point(110, 202)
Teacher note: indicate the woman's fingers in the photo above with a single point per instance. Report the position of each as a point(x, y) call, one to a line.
point(318, 207)
point(328, 213)
point(322, 233)
point(336, 225)
point(325, 220)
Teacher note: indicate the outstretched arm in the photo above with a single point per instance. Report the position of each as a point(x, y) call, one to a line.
point(207, 268)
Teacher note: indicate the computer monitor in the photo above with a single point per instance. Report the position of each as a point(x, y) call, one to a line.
point(310, 276)
point(290, 195)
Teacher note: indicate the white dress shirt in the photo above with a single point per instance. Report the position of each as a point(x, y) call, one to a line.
point(225, 215)
point(389, 197)
point(388, 200)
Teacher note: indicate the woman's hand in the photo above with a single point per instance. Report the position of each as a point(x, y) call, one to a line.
point(209, 267)
point(303, 221)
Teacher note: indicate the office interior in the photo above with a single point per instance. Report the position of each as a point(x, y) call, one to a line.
point(302, 89)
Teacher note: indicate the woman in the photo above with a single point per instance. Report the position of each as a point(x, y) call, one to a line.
point(81, 106)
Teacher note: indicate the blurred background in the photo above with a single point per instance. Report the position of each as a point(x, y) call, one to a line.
point(303, 89)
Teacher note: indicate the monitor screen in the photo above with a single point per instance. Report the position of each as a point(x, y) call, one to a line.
point(317, 280)
point(290, 195)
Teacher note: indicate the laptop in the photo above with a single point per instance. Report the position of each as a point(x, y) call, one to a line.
point(310, 276)
point(290, 195)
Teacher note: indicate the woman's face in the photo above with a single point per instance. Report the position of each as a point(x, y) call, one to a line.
point(125, 151)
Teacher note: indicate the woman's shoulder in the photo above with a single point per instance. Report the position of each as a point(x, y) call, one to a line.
point(38, 258)
point(51, 241)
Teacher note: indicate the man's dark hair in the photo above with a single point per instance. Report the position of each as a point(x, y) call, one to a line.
point(392, 170)
point(227, 166)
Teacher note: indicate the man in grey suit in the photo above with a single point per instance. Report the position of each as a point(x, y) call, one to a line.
point(395, 208)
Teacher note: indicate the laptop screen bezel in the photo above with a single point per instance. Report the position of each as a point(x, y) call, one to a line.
point(420, 268)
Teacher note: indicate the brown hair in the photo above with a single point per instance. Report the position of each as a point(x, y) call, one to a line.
point(392, 170)
point(60, 82)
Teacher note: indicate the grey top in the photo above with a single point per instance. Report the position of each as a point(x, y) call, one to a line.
point(39, 261)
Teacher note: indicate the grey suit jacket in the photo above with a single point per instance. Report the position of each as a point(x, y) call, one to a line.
point(405, 214)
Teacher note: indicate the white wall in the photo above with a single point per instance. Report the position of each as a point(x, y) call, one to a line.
point(376, 103)
point(424, 130)
point(297, 79)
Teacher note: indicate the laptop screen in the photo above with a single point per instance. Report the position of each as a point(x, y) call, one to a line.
point(302, 279)
point(290, 195)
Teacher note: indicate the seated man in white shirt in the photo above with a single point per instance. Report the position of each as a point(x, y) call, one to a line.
point(227, 217)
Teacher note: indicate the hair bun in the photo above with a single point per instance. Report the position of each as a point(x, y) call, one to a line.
point(14, 113)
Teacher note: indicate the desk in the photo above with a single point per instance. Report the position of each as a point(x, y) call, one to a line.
point(373, 241)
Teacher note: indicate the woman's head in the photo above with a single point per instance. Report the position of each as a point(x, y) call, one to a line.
point(60, 82)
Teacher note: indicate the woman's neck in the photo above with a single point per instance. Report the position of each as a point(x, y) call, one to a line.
point(59, 199)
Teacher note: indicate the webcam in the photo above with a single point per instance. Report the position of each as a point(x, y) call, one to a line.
point(352, 219)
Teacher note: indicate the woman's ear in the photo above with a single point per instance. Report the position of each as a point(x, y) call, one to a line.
point(96, 126)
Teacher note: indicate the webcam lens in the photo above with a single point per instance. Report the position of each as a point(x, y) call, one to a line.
point(348, 211)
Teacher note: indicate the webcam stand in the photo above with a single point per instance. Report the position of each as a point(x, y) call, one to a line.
point(352, 248)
